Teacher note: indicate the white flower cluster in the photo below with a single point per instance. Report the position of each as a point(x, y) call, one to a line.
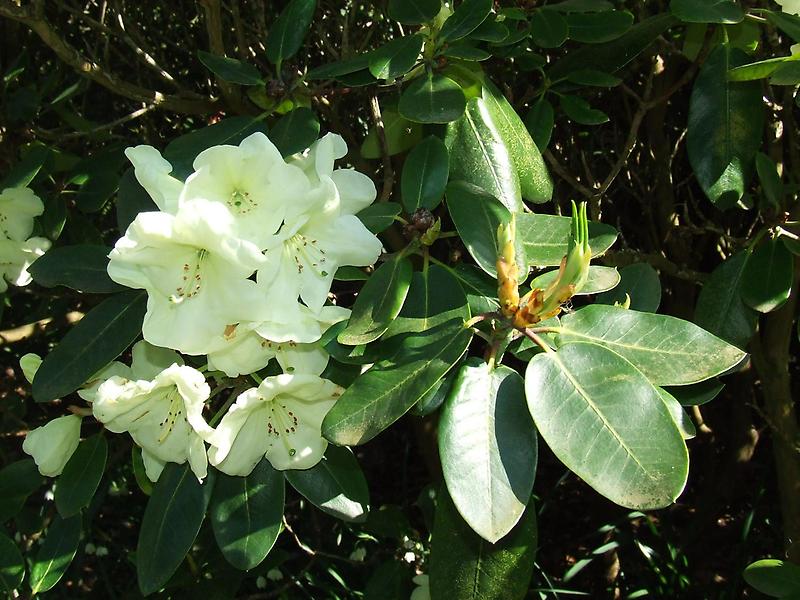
point(244, 212)
point(18, 207)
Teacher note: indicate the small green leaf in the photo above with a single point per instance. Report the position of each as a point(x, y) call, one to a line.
point(757, 70)
point(78, 482)
point(487, 444)
point(433, 400)
point(465, 19)
point(466, 51)
point(581, 6)
point(490, 30)
point(681, 418)
point(379, 216)
point(539, 121)
point(295, 131)
point(395, 58)
point(768, 276)
point(378, 303)
point(599, 27)
point(287, 32)
point(80, 267)
point(545, 237)
point(387, 390)
point(548, 28)
point(607, 423)
point(600, 279)
point(697, 393)
point(171, 521)
point(481, 290)
point(246, 514)
point(707, 11)
point(339, 68)
point(414, 12)
point(786, 74)
point(401, 135)
point(96, 191)
point(103, 334)
point(56, 553)
point(425, 173)
point(18, 480)
point(28, 168)
point(336, 485)
point(667, 350)
point(774, 577)
point(593, 78)
point(432, 98)
point(789, 24)
point(231, 70)
point(579, 110)
point(12, 567)
point(139, 472)
point(771, 184)
point(640, 283)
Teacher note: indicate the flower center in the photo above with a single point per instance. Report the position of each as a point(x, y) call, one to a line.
point(307, 253)
point(174, 412)
point(241, 202)
point(281, 422)
point(191, 279)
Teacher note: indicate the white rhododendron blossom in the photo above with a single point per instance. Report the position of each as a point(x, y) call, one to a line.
point(153, 173)
point(790, 6)
point(52, 445)
point(281, 420)
point(18, 208)
point(163, 416)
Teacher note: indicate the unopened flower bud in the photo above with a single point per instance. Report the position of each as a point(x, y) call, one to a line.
point(52, 445)
point(507, 271)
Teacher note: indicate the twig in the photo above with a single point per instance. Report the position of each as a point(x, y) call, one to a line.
point(388, 172)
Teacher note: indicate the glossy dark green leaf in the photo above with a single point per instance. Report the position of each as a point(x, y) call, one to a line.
point(390, 580)
point(786, 74)
point(395, 58)
point(295, 131)
point(771, 184)
point(599, 27)
point(607, 423)
point(103, 334)
point(96, 191)
point(27, 168)
point(246, 514)
point(720, 308)
point(549, 29)
point(480, 156)
point(539, 121)
point(756, 70)
point(580, 111)
point(12, 567)
point(414, 12)
point(487, 444)
point(722, 143)
point(581, 6)
point(340, 67)
point(466, 51)
point(600, 279)
point(465, 19)
point(591, 77)
point(78, 482)
point(697, 393)
point(287, 32)
point(667, 350)
point(768, 276)
point(481, 290)
point(425, 173)
point(348, 273)
point(774, 577)
point(81, 267)
point(131, 200)
point(640, 282)
point(55, 554)
point(139, 472)
point(18, 480)
point(230, 69)
point(681, 418)
point(545, 238)
point(386, 391)
point(789, 24)
point(401, 135)
point(379, 216)
point(378, 303)
point(707, 11)
point(432, 98)
point(433, 400)
point(336, 485)
point(527, 161)
point(463, 566)
point(170, 524)
point(490, 30)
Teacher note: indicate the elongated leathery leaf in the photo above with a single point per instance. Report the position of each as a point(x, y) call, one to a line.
point(668, 350)
point(545, 238)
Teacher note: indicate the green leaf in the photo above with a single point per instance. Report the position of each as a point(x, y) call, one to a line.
point(378, 303)
point(425, 173)
point(579, 110)
point(56, 553)
point(391, 580)
point(545, 238)
point(607, 423)
point(786, 74)
point(432, 98)
point(490, 30)
point(539, 121)
point(697, 393)
point(726, 121)
point(768, 276)
point(379, 216)
point(139, 472)
point(433, 400)
point(599, 27)
point(465, 19)
point(757, 70)
point(287, 32)
point(78, 482)
point(246, 514)
point(386, 391)
point(548, 28)
point(479, 155)
point(465, 51)
point(103, 334)
point(414, 12)
point(81, 267)
point(487, 444)
point(526, 160)
point(339, 68)
point(230, 69)
point(401, 134)
point(171, 522)
point(773, 577)
point(581, 6)
point(96, 191)
point(481, 290)
point(601, 279)
point(18, 480)
point(612, 56)
point(681, 418)
point(395, 58)
point(771, 184)
point(131, 200)
point(295, 131)
point(667, 350)
point(720, 308)
point(28, 168)
point(789, 24)
point(466, 567)
point(593, 78)
point(707, 11)
point(12, 567)
point(640, 283)
point(336, 485)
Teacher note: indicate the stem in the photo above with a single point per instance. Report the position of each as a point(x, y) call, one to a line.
point(537, 340)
